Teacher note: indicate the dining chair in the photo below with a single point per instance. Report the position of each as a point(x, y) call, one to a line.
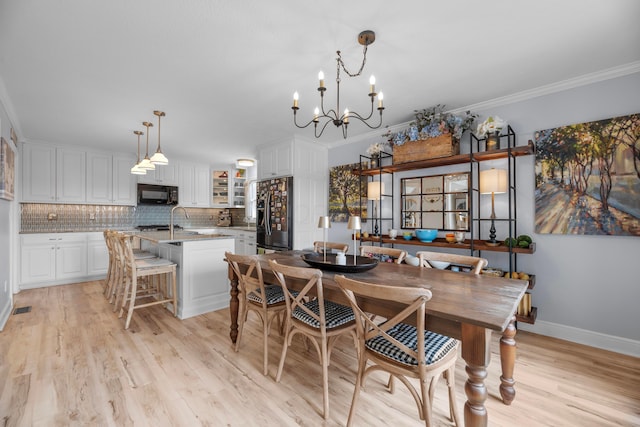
point(319, 247)
point(476, 263)
point(383, 253)
point(163, 289)
point(267, 301)
point(400, 349)
point(321, 321)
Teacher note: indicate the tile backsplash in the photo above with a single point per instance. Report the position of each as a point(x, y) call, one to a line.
point(52, 218)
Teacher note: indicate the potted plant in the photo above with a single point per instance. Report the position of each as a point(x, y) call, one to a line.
point(374, 151)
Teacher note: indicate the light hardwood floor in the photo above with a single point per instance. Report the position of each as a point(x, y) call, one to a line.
point(69, 362)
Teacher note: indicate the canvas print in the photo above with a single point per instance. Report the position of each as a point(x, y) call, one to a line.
point(7, 171)
point(588, 178)
point(345, 188)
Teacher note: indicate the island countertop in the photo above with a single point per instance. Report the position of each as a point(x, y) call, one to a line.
point(179, 236)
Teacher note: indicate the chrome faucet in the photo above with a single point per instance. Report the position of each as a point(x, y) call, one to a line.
point(186, 214)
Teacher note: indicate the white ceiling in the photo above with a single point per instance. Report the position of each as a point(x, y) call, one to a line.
point(88, 72)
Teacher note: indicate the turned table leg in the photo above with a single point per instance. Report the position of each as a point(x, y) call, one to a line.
point(476, 344)
point(233, 305)
point(508, 360)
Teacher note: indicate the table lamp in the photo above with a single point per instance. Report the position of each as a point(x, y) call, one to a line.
point(375, 189)
point(324, 223)
point(493, 181)
point(354, 224)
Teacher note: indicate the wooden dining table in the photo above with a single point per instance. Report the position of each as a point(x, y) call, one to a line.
point(465, 306)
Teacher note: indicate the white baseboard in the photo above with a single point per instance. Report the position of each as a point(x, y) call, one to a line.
point(583, 336)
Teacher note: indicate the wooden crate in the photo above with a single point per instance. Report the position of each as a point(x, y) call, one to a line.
point(423, 149)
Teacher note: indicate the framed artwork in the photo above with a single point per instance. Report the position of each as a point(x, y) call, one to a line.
point(7, 170)
point(345, 188)
point(588, 178)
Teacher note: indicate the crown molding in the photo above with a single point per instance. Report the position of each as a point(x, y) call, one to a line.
point(585, 79)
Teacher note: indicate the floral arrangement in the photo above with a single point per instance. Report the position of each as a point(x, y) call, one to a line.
point(491, 125)
point(375, 149)
point(433, 122)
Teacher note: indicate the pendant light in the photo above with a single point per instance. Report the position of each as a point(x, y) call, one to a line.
point(136, 169)
point(158, 158)
point(146, 162)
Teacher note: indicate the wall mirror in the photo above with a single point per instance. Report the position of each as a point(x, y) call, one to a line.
point(437, 201)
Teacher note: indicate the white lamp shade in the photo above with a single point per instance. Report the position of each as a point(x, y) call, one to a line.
point(493, 181)
point(323, 222)
point(374, 190)
point(137, 170)
point(146, 164)
point(354, 223)
point(159, 159)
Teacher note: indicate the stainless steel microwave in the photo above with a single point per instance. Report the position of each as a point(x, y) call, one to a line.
point(149, 194)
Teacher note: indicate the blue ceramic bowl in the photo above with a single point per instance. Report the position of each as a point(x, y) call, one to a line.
point(426, 235)
point(407, 236)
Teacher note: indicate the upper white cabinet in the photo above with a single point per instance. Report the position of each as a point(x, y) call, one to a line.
point(165, 175)
point(275, 160)
point(109, 179)
point(220, 188)
point(194, 185)
point(53, 175)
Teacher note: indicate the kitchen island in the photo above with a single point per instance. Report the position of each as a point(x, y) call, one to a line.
point(202, 282)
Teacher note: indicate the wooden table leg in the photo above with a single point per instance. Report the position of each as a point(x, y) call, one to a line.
point(508, 360)
point(476, 352)
point(233, 305)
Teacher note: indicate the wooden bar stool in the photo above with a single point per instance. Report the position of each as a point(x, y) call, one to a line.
point(163, 291)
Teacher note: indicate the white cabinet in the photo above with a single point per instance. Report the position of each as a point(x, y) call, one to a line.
point(52, 258)
point(109, 179)
point(194, 185)
point(97, 255)
point(276, 160)
point(164, 174)
point(53, 175)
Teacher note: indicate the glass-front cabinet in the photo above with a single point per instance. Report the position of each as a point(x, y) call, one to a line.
point(438, 201)
point(239, 183)
point(220, 188)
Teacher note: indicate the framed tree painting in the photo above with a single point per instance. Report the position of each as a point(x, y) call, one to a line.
point(7, 170)
point(345, 188)
point(588, 178)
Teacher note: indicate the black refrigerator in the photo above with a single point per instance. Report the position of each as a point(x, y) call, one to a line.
point(275, 215)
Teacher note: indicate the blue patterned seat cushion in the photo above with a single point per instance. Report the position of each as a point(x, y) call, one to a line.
point(273, 294)
point(436, 346)
point(335, 314)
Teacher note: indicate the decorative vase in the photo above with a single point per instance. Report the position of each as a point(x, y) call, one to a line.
point(493, 141)
point(375, 161)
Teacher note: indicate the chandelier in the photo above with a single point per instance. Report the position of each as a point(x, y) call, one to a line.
point(142, 166)
point(365, 38)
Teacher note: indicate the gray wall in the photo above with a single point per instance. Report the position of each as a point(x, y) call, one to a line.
point(587, 287)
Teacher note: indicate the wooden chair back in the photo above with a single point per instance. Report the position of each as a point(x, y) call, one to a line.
point(366, 326)
point(398, 255)
point(319, 246)
point(251, 281)
point(313, 288)
point(476, 263)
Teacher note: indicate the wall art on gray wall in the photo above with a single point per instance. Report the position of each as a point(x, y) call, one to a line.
point(588, 178)
point(344, 193)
